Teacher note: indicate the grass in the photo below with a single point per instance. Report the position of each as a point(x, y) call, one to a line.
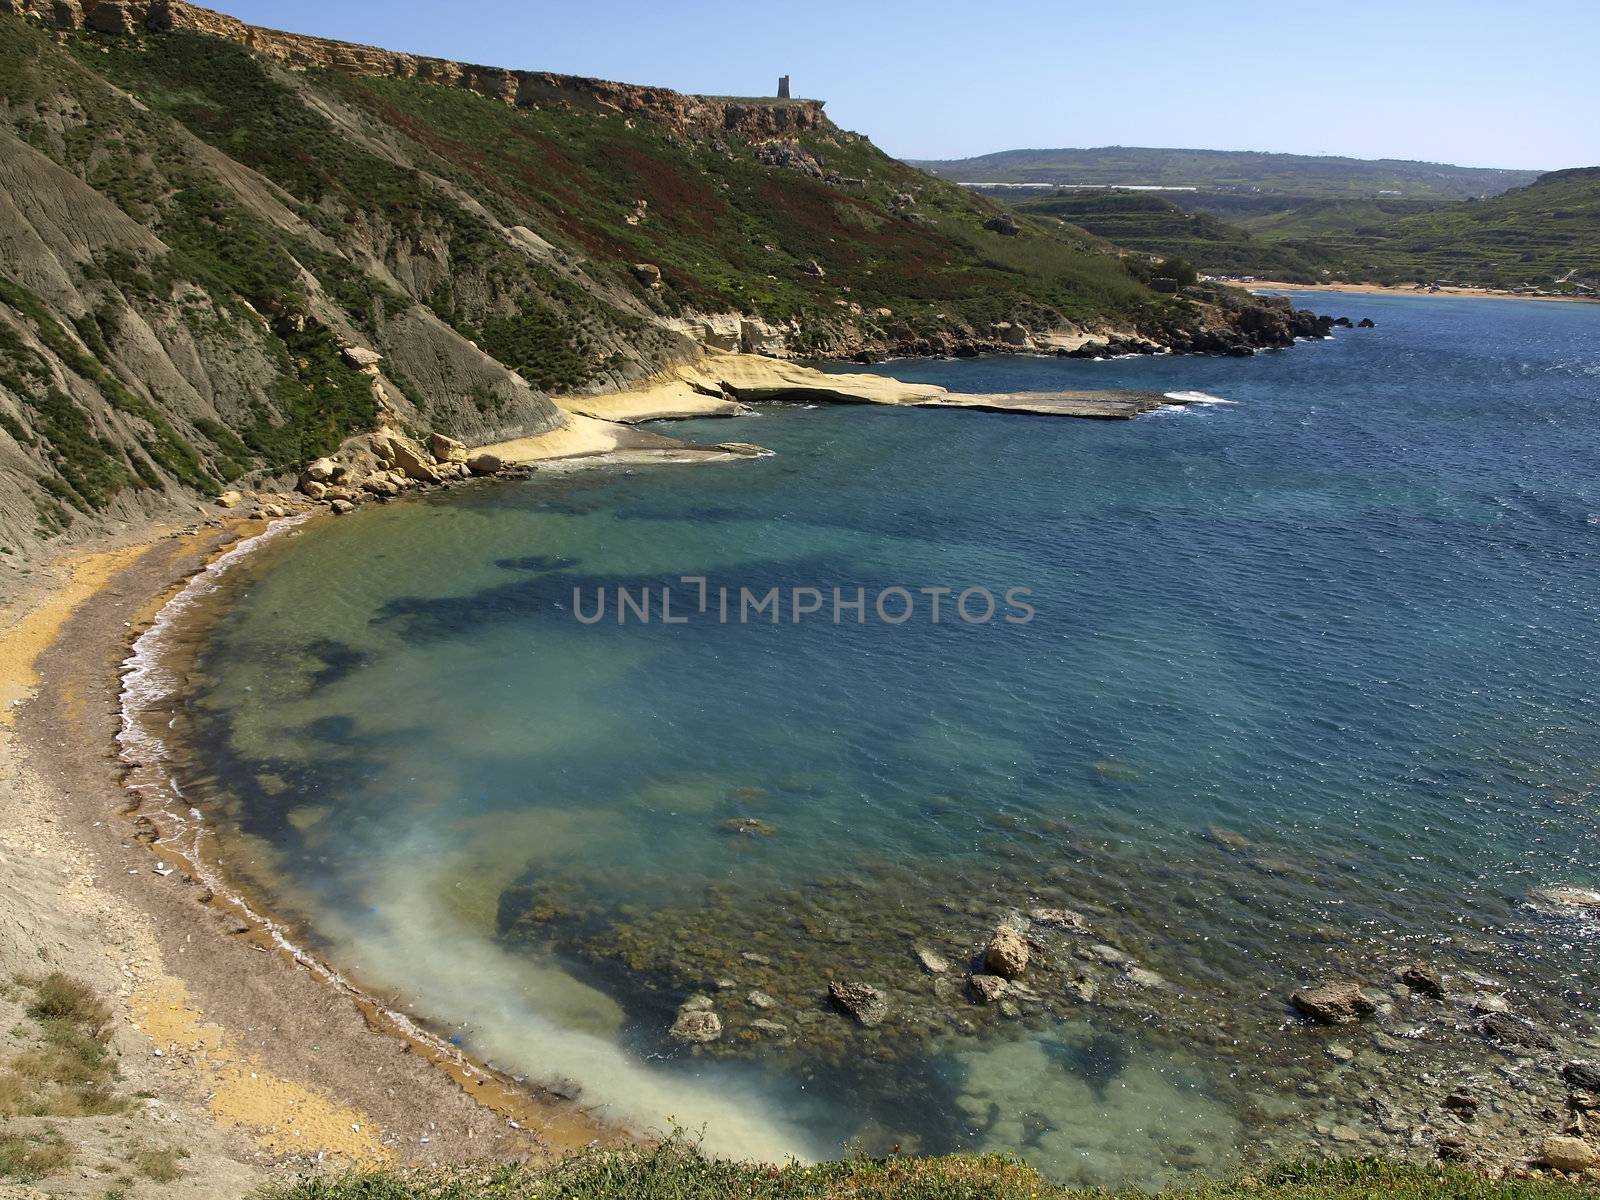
point(677, 1170)
point(67, 1068)
point(162, 1166)
point(25, 1159)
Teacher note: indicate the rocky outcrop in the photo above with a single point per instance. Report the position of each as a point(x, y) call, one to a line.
point(702, 116)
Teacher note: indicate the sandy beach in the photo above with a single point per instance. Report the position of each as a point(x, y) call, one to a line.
point(1383, 289)
point(239, 1052)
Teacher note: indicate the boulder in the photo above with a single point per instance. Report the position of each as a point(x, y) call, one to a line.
point(988, 989)
point(1511, 1030)
point(361, 358)
point(313, 489)
point(1143, 977)
point(1568, 1153)
point(1423, 977)
point(230, 500)
point(1002, 224)
point(697, 1025)
point(404, 455)
point(447, 449)
point(340, 507)
point(380, 485)
point(1333, 1003)
point(865, 1003)
point(67, 14)
point(647, 273)
point(813, 268)
point(1007, 955)
point(1366, 323)
point(320, 470)
point(760, 999)
point(770, 1028)
point(485, 464)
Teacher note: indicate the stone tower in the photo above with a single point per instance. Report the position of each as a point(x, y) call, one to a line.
point(783, 87)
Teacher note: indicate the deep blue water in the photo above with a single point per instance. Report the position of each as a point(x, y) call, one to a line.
point(1349, 616)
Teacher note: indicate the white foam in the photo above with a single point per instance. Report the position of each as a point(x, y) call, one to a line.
point(1197, 398)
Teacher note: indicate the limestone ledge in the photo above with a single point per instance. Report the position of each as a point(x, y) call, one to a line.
point(700, 115)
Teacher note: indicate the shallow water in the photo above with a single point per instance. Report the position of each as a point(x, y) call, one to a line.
point(1348, 617)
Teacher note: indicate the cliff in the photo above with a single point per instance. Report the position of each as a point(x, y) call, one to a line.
point(530, 89)
point(229, 250)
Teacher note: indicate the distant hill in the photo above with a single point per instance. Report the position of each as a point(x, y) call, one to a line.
point(1299, 175)
point(1544, 236)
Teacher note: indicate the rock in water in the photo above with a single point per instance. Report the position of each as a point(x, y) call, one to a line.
point(933, 964)
point(1060, 918)
point(1583, 1076)
point(1569, 1154)
point(697, 1023)
point(1333, 1003)
point(1515, 1031)
point(485, 464)
point(1007, 954)
point(1227, 838)
point(988, 989)
point(865, 1003)
point(1421, 977)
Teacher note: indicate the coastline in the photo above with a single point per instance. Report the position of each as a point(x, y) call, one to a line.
point(1388, 289)
point(256, 1057)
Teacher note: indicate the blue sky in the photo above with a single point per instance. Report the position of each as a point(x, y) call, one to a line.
point(1464, 81)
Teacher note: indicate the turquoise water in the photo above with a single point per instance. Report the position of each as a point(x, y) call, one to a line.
point(1309, 689)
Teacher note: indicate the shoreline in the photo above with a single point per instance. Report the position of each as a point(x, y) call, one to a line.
point(1256, 286)
point(257, 1055)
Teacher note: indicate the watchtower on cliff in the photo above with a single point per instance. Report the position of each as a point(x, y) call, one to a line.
point(783, 87)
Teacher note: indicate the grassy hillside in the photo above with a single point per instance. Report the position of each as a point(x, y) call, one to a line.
point(202, 237)
point(1154, 225)
point(676, 1171)
point(1545, 236)
point(1297, 175)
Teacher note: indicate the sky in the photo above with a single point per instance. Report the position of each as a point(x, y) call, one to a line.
point(1469, 82)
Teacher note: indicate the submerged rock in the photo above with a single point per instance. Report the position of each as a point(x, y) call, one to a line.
point(1581, 1075)
point(988, 989)
point(865, 1003)
point(696, 1022)
point(1424, 978)
point(1515, 1031)
point(1007, 954)
point(1333, 1003)
point(1573, 900)
point(1060, 918)
point(1227, 838)
point(749, 826)
point(933, 964)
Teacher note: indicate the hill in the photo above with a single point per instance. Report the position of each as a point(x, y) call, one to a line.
point(1545, 236)
point(1297, 175)
point(1540, 236)
point(217, 233)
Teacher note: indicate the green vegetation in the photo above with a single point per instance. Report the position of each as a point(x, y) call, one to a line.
point(1155, 225)
point(676, 1170)
point(24, 1159)
point(1299, 175)
point(67, 1069)
point(1544, 236)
